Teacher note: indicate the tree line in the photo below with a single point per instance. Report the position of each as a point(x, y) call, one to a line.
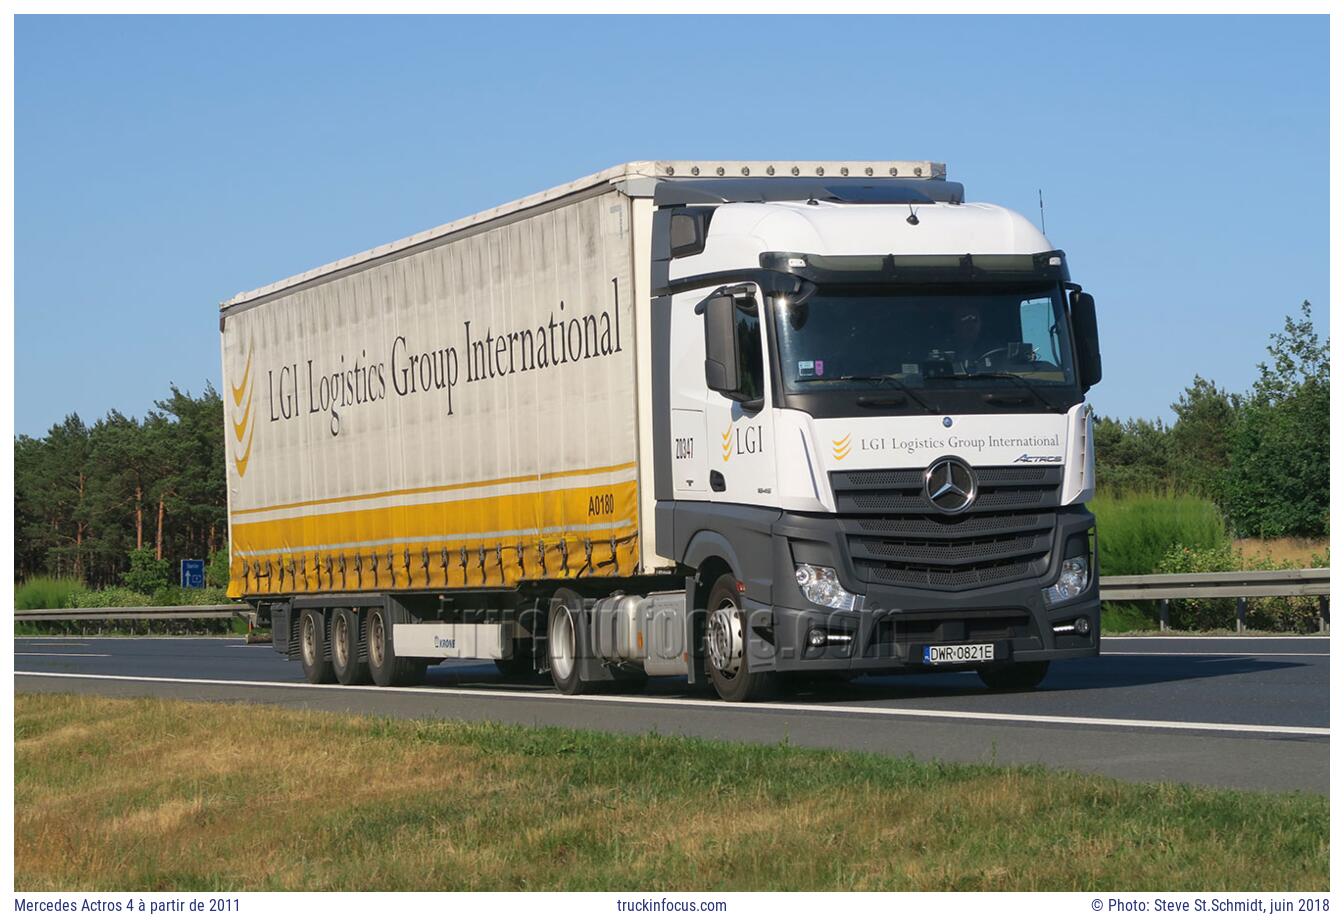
point(86, 496)
point(1263, 456)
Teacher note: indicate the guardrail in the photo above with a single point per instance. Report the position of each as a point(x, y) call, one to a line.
point(202, 612)
point(1239, 585)
point(1160, 588)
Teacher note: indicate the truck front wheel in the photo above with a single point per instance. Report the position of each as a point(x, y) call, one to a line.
point(726, 646)
point(312, 639)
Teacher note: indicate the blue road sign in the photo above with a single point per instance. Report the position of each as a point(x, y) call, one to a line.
point(193, 573)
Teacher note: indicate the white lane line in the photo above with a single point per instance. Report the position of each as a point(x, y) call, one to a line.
point(61, 655)
point(720, 706)
point(1189, 638)
point(1226, 654)
point(55, 644)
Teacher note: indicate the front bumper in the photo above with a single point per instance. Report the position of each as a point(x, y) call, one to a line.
point(896, 642)
point(895, 625)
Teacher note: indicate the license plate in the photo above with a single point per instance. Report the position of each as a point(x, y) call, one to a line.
point(958, 654)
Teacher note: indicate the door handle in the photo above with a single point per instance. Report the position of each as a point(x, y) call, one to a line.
point(716, 481)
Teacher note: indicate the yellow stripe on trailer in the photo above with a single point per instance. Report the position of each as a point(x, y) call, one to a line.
point(494, 541)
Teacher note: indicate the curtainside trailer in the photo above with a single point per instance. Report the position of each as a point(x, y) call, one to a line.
point(722, 421)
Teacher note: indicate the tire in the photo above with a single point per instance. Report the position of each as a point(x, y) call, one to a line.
point(317, 667)
point(1025, 675)
point(345, 648)
point(385, 667)
point(565, 645)
point(726, 647)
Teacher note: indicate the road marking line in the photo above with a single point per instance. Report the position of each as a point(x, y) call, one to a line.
point(719, 705)
point(1229, 654)
point(1190, 638)
point(55, 645)
point(62, 655)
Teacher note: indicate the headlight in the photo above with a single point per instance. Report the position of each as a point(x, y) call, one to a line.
point(1073, 578)
point(821, 586)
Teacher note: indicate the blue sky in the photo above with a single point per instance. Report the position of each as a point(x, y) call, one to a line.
point(164, 163)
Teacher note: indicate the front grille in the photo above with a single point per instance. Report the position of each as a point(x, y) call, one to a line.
point(897, 538)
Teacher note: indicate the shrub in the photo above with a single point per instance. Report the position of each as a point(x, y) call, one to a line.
point(46, 593)
point(217, 569)
point(110, 597)
point(173, 596)
point(147, 574)
point(1273, 614)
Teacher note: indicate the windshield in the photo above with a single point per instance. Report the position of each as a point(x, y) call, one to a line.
point(933, 344)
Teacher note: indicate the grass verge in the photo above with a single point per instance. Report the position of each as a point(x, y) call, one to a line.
point(161, 794)
point(45, 593)
point(1134, 532)
point(1120, 618)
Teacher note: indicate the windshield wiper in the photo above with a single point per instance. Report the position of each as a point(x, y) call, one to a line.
point(893, 381)
point(999, 375)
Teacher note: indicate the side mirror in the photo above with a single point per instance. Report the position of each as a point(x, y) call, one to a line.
point(723, 374)
point(1084, 315)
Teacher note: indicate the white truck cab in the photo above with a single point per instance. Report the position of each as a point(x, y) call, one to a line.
point(875, 409)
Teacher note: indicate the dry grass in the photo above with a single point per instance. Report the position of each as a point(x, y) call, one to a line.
point(1297, 550)
point(165, 795)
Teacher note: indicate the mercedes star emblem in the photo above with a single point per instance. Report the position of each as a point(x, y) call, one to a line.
point(949, 485)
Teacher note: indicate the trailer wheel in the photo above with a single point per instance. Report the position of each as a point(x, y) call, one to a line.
point(316, 666)
point(564, 641)
point(726, 646)
point(345, 648)
point(1025, 675)
point(385, 667)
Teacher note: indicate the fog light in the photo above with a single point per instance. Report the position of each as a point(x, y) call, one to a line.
point(1082, 626)
point(1073, 580)
point(821, 586)
point(818, 637)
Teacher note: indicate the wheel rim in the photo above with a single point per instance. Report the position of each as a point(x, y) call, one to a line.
point(376, 639)
point(309, 640)
point(725, 639)
point(340, 641)
point(562, 644)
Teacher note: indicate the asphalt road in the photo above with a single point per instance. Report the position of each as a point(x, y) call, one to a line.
point(1240, 713)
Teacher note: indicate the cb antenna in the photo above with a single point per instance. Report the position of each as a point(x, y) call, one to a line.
point(1040, 199)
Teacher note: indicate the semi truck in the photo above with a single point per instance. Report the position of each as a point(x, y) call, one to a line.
point(729, 422)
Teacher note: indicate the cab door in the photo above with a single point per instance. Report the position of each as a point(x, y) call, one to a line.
point(739, 436)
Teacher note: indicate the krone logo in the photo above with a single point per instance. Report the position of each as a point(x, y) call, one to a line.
point(949, 485)
point(240, 417)
point(840, 449)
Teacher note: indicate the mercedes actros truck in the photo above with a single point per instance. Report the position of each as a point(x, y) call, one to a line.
point(720, 421)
